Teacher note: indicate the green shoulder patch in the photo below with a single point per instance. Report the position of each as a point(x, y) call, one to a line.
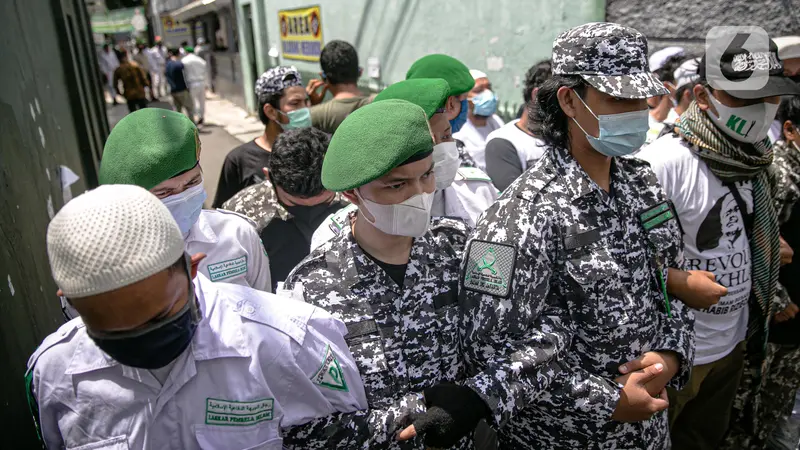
point(657, 215)
point(330, 373)
point(490, 267)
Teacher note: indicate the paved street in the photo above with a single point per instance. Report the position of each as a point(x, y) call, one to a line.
point(226, 126)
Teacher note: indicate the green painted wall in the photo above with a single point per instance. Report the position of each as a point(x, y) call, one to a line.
point(501, 37)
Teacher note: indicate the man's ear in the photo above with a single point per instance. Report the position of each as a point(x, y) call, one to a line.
point(351, 196)
point(266, 172)
point(60, 293)
point(790, 132)
point(568, 101)
point(533, 94)
point(271, 113)
point(701, 97)
point(452, 107)
point(196, 258)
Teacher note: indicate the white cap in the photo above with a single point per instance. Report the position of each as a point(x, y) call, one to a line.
point(788, 47)
point(111, 237)
point(477, 74)
point(660, 57)
point(686, 73)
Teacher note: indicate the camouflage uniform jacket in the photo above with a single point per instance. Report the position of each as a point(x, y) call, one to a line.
point(404, 339)
point(260, 203)
point(559, 288)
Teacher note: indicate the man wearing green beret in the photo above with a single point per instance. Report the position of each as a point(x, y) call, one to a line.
point(460, 81)
point(461, 192)
point(392, 278)
point(159, 150)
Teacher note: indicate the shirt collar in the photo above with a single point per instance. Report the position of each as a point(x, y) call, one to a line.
point(577, 180)
point(201, 231)
point(216, 336)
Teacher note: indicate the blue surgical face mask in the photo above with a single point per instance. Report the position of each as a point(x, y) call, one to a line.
point(485, 103)
point(299, 118)
point(461, 119)
point(186, 207)
point(157, 344)
point(620, 134)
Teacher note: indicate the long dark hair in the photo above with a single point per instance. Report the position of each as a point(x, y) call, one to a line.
point(549, 122)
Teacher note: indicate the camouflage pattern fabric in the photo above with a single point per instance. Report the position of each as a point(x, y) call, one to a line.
point(786, 162)
point(404, 339)
point(464, 156)
point(762, 401)
point(560, 288)
point(610, 57)
point(275, 80)
point(260, 203)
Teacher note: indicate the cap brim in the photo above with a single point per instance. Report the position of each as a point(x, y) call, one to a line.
point(777, 85)
point(639, 85)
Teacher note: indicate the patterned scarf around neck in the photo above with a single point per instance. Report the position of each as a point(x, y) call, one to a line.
point(733, 161)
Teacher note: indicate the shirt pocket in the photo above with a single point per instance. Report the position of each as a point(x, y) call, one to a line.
point(256, 437)
point(372, 364)
point(114, 443)
point(597, 296)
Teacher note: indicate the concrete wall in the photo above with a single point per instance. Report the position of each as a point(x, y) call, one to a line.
point(502, 37)
point(51, 115)
point(686, 22)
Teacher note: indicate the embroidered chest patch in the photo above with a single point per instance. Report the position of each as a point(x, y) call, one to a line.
point(227, 269)
point(226, 412)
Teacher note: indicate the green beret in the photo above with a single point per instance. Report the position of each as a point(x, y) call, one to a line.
point(189, 49)
point(148, 147)
point(373, 140)
point(445, 67)
point(430, 94)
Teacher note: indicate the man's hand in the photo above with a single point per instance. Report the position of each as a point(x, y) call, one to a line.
point(312, 88)
point(669, 362)
point(636, 404)
point(453, 412)
point(696, 288)
point(786, 252)
point(787, 314)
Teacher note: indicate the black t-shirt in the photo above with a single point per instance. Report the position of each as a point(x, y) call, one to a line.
point(788, 333)
point(397, 272)
point(243, 167)
point(288, 242)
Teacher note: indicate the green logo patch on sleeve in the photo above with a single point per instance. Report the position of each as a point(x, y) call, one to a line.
point(490, 268)
point(330, 374)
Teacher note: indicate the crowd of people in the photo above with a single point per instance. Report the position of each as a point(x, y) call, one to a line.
point(612, 269)
point(142, 75)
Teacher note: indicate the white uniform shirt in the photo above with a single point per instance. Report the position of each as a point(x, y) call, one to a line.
point(474, 138)
point(194, 69)
point(471, 193)
point(255, 360)
point(714, 238)
point(234, 252)
point(159, 61)
point(108, 61)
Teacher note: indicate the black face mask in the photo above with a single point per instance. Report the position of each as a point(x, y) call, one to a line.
point(156, 345)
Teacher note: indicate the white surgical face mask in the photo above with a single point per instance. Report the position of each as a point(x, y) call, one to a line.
point(748, 124)
point(410, 218)
point(186, 207)
point(620, 134)
point(446, 163)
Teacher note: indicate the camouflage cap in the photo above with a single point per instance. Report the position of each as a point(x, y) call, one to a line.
point(277, 79)
point(610, 57)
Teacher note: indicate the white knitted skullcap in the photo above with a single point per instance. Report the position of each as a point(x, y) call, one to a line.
point(111, 237)
point(477, 74)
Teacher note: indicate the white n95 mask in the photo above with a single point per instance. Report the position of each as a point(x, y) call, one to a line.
point(748, 124)
point(446, 163)
point(410, 218)
point(186, 207)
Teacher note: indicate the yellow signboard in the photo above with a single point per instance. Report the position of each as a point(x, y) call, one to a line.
point(301, 33)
